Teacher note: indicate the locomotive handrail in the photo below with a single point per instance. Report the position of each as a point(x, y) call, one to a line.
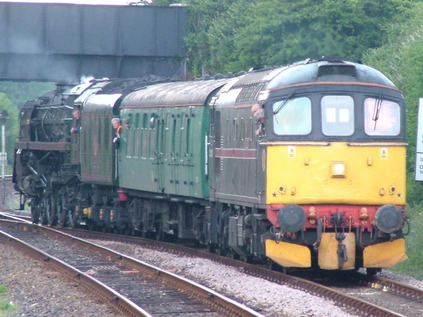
point(329, 143)
point(377, 144)
point(296, 143)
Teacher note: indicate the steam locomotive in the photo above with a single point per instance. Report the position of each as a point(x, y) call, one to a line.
point(300, 166)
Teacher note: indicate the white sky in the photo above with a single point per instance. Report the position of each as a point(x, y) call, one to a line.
point(92, 2)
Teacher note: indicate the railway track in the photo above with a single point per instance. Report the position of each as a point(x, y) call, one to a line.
point(359, 297)
point(404, 299)
point(133, 287)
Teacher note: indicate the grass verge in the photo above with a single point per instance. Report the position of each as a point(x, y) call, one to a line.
point(6, 307)
point(413, 266)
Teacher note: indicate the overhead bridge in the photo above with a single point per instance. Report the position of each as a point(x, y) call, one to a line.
point(63, 42)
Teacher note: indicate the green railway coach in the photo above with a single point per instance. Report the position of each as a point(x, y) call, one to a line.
point(163, 140)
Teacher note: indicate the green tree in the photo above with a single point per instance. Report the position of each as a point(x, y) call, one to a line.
point(159, 2)
point(201, 16)
point(222, 34)
point(283, 31)
point(21, 92)
point(236, 35)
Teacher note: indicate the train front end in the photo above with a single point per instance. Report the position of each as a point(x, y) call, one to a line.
point(335, 162)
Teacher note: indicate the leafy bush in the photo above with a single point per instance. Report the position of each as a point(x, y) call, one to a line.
point(413, 265)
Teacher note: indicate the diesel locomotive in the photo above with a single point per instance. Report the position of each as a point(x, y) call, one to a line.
point(301, 166)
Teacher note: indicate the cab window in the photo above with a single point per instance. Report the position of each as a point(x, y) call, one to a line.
point(381, 117)
point(337, 115)
point(292, 116)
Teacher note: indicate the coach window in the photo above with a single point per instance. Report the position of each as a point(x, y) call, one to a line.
point(338, 115)
point(292, 116)
point(129, 140)
point(187, 136)
point(134, 128)
point(173, 151)
point(144, 135)
point(227, 128)
point(152, 135)
point(182, 146)
point(236, 129)
point(381, 117)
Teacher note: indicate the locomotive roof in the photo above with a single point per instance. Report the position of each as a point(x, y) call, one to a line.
point(246, 88)
point(173, 94)
point(324, 70)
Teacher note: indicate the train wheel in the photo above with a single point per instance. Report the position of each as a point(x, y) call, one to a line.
point(233, 255)
point(35, 214)
point(221, 251)
point(73, 219)
point(45, 211)
point(144, 233)
point(370, 272)
point(129, 231)
point(271, 265)
point(65, 219)
point(159, 234)
point(52, 203)
point(285, 270)
point(92, 226)
point(211, 248)
point(60, 213)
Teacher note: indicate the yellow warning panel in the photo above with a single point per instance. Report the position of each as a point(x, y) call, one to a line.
point(386, 254)
point(288, 254)
point(292, 152)
point(328, 252)
point(384, 153)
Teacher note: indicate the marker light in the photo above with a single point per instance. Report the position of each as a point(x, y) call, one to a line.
point(364, 214)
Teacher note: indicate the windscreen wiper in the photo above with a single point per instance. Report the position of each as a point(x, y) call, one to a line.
point(275, 112)
point(376, 111)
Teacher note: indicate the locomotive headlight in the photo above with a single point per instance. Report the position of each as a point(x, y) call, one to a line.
point(337, 169)
point(388, 219)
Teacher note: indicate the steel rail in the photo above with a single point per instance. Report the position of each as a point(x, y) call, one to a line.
point(204, 294)
point(399, 288)
point(357, 305)
point(108, 295)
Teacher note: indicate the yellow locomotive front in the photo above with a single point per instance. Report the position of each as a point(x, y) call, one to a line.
point(334, 161)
